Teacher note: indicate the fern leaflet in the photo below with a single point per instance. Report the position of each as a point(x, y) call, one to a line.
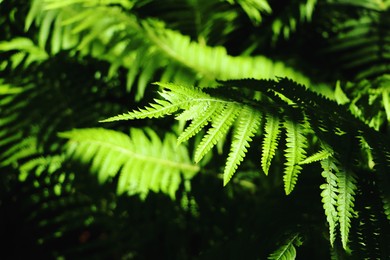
point(246, 127)
point(176, 97)
point(219, 128)
point(319, 156)
point(295, 153)
point(345, 202)
point(270, 142)
point(201, 121)
point(329, 196)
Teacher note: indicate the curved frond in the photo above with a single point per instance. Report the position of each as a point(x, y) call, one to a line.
point(143, 161)
point(245, 128)
point(214, 62)
point(295, 153)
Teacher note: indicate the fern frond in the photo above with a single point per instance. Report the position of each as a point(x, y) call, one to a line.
point(296, 143)
point(345, 202)
point(329, 196)
point(26, 52)
point(219, 128)
point(159, 109)
point(176, 97)
point(143, 161)
point(245, 128)
point(287, 251)
point(270, 141)
point(214, 62)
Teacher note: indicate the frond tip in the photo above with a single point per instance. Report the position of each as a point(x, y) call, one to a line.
point(287, 251)
point(143, 161)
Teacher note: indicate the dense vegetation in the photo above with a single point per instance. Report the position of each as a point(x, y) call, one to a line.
point(257, 129)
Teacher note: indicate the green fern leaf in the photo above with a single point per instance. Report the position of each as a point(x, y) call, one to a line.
point(345, 202)
point(296, 143)
point(219, 128)
point(176, 97)
point(158, 109)
point(270, 142)
point(201, 121)
point(319, 156)
point(246, 127)
point(329, 195)
point(144, 162)
point(287, 251)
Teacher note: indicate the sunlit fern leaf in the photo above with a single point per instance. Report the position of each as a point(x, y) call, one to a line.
point(319, 156)
point(245, 128)
point(176, 97)
point(219, 128)
point(111, 153)
point(159, 109)
point(270, 141)
point(345, 202)
point(198, 123)
point(295, 152)
point(329, 196)
point(287, 251)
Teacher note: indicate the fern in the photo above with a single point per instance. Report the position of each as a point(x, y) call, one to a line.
point(287, 251)
point(27, 52)
point(245, 128)
point(270, 142)
point(143, 162)
point(329, 196)
point(319, 156)
point(218, 130)
point(200, 122)
point(295, 153)
point(345, 202)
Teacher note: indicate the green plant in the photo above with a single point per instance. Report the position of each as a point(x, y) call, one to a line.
point(265, 97)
